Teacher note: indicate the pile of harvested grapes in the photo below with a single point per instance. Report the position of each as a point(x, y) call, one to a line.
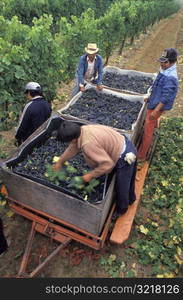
point(138, 84)
point(105, 109)
point(37, 163)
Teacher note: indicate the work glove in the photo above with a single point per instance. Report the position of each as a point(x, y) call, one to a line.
point(87, 177)
point(130, 158)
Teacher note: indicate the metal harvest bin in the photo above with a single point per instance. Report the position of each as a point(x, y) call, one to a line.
point(47, 199)
point(131, 75)
point(136, 128)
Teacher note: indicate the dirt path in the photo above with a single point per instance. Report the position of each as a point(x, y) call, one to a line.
point(164, 37)
point(77, 260)
point(148, 47)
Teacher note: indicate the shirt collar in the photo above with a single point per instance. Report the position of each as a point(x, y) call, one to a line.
point(165, 72)
point(91, 61)
point(35, 97)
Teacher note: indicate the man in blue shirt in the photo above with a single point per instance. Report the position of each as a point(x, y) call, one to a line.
point(35, 112)
point(90, 69)
point(163, 94)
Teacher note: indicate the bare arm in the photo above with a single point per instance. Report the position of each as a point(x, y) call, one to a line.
point(104, 163)
point(159, 106)
point(70, 152)
point(157, 109)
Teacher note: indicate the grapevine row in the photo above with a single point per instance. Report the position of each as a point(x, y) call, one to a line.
point(42, 40)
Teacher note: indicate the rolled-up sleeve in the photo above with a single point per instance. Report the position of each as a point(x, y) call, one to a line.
point(100, 72)
point(80, 71)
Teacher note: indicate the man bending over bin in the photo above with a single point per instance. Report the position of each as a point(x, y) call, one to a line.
point(105, 150)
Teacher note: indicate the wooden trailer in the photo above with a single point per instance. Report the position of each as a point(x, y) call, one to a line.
point(63, 232)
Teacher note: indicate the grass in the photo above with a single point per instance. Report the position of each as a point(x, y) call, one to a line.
point(3, 142)
point(156, 242)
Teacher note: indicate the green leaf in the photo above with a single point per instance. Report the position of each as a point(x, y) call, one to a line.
point(19, 73)
point(143, 229)
point(71, 169)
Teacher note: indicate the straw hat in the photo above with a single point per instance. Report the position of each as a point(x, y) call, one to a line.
point(91, 48)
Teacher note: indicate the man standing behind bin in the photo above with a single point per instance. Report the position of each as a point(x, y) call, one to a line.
point(35, 112)
point(105, 150)
point(163, 93)
point(90, 69)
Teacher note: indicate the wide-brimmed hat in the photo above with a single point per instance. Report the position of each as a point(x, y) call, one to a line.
point(91, 48)
point(168, 54)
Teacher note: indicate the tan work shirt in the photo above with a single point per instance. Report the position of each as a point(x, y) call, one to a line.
point(101, 147)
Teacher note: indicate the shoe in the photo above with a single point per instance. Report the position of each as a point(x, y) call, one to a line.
point(124, 210)
point(131, 202)
point(118, 214)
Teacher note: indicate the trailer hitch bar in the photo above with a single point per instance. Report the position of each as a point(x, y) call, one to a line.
point(48, 230)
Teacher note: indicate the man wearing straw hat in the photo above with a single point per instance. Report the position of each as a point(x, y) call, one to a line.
point(90, 69)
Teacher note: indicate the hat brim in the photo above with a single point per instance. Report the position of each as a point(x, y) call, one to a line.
point(163, 59)
point(91, 51)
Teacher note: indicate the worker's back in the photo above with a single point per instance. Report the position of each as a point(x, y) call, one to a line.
point(34, 115)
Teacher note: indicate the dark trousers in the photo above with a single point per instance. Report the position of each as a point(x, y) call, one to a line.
point(125, 179)
point(3, 242)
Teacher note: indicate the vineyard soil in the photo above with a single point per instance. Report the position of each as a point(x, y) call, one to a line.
point(77, 260)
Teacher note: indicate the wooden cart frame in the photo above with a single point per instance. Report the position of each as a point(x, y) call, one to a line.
point(64, 232)
point(56, 229)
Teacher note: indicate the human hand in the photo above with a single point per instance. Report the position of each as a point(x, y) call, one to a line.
point(153, 115)
point(82, 88)
point(57, 166)
point(87, 177)
point(146, 99)
point(100, 87)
